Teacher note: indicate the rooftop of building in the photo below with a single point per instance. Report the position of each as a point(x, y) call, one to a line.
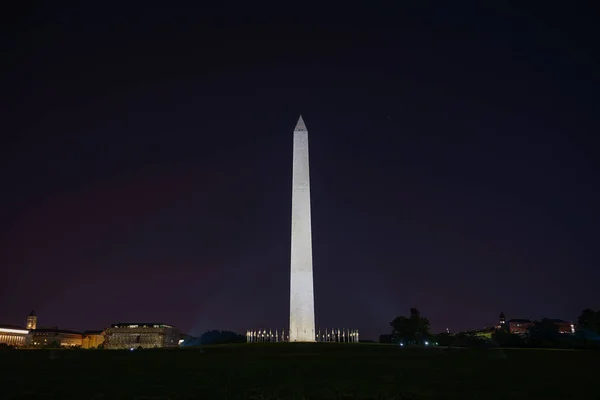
point(555, 320)
point(92, 332)
point(53, 330)
point(141, 325)
point(5, 326)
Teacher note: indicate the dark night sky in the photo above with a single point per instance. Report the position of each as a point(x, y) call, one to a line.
point(146, 164)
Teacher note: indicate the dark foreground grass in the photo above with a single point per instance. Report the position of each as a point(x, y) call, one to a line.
point(301, 371)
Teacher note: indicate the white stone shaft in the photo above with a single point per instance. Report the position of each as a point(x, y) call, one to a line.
point(302, 302)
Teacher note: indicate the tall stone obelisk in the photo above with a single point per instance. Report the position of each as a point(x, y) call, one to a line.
point(302, 301)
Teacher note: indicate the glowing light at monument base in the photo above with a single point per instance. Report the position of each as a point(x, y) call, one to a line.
point(278, 336)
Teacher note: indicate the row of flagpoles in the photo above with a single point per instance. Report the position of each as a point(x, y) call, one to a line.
point(330, 335)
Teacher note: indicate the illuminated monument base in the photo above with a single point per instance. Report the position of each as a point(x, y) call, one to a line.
point(330, 335)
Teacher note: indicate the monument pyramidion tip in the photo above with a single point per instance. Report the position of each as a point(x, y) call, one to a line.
point(300, 126)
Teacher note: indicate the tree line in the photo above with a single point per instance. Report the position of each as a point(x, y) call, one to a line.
point(414, 330)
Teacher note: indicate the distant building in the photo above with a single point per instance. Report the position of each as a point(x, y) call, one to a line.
point(31, 320)
point(92, 339)
point(13, 335)
point(502, 320)
point(522, 326)
point(141, 334)
point(55, 337)
point(563, 326)
point(519, 326)
point(501, 323)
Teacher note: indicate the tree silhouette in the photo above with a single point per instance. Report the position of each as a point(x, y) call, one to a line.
point(543, 333)
point(503, 338)
point(410, 329)
point(221, 337)
point(590, 320)
point(385, 338)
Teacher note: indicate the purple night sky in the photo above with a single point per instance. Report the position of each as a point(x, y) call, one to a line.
point(146, 165)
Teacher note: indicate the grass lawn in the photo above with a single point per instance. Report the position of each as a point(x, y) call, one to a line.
point(300, 371)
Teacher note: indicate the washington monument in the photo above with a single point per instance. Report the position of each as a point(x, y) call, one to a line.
point(302, 301)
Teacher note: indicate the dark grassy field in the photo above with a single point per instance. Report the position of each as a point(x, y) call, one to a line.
point(301, 371)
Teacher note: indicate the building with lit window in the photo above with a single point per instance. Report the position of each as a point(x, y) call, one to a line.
point(522, 326)
point(92, 339)
point(13, 335)
point(55, 337)
point(132, 335)
point(519, 326)
point(563, 326)
point(31, 320)
point(502, 322)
